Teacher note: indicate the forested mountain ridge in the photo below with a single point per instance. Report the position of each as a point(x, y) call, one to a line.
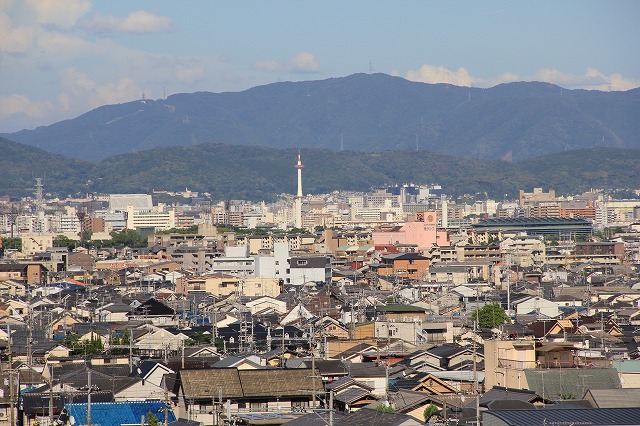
point(261, 173)
point(360, 112)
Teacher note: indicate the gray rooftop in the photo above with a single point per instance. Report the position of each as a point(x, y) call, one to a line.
point(594, 416)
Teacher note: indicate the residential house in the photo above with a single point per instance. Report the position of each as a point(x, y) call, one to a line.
point(12, 287)
point(246, 390)
point(158, 342)
point(410, 266)
point(154, 311)
point(350, 395)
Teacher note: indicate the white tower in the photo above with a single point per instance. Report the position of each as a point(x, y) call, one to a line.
point(298, 197)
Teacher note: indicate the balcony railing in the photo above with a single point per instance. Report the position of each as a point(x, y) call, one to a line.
point(513, 364)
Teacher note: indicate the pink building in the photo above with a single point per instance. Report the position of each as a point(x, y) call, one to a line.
point(422, 233)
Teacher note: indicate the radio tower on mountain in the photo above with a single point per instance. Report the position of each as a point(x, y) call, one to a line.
point(298, 198)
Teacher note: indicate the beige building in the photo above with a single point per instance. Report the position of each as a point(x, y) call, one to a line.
point(524, 251)
point(537, 196)
point(220, 284)
point(505, 362)
point(33, 243)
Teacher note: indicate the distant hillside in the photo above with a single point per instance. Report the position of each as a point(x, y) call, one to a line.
point(365, 112)
point(579, 170)
point(260, 173)
point(21, 164)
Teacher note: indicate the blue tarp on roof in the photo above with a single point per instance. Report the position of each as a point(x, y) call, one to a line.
point(117, 413)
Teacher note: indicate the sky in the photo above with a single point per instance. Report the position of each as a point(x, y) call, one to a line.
point(61, 58)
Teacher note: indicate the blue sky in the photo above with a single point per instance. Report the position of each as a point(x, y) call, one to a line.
point(60, 58)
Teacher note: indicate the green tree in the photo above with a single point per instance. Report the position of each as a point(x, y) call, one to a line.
point(189, 230)
point(152, 419)
point(92, 346)
point(198, 339)
point(384, 407)
point(62, 241)
point(128, 237)
point(126, 337)
point(12, 243)
point(429, 411)
point(490, 315)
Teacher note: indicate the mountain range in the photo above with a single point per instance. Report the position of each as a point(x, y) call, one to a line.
point(262, 173)
point(361, 112)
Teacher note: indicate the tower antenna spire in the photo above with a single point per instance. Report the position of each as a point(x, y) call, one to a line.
point(298, 198)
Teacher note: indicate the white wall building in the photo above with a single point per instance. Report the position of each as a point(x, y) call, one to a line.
point(150, 219)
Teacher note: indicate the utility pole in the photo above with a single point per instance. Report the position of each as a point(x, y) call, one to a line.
point(508, 265)
point(11, 389)
point(89, 397)
point(331, 407)
point(213, 408)
point(166, 405)
point(313, 363)
point(51, 395)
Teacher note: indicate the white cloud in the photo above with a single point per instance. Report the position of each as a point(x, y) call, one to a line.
point(138, 22)
point(54, 42)
point(190, 75)
point(432, 74)
point(304, 62)
point(21, 104)
point(592, 79)
point(81, 93)
point(61, 13)
point(14, 40)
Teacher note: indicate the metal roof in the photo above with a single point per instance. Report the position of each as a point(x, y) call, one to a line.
point(570, 382)
point(593, 416)
point(614, 398)
point(117, 413)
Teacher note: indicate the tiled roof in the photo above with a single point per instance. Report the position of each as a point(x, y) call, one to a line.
point(351, 395)
point(367, 417)
point(278, 382)
point(447, 350)
point(559, 383)
point(201, 383)
point(614, 398)
point(198, 384)
point(316, 418)
point(501, 393)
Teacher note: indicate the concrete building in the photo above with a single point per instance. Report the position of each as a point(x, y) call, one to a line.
point(158, 220)
point(537, 196)
point(139, 202)
point(303, 269)
point(524, 250)
point(505, 362)
point(422, 233)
